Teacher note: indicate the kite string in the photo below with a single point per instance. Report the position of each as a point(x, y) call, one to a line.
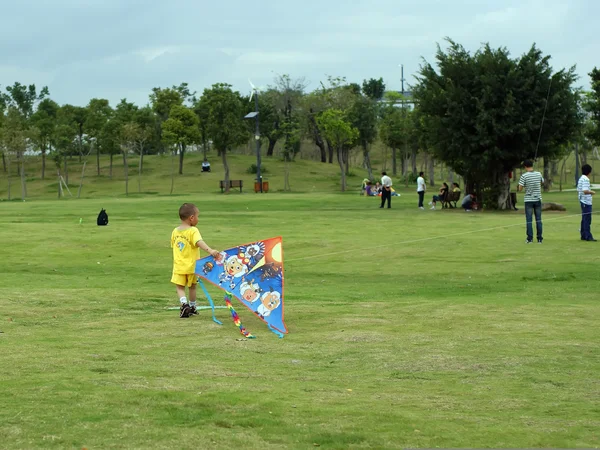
point(412, 241)
point(537, 147)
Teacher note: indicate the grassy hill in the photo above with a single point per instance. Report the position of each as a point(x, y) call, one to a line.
point(306, 175)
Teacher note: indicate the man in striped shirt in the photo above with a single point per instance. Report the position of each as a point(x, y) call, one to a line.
point(585, 199)
point(531, 181)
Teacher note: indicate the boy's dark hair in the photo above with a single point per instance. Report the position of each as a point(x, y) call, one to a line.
point(586, 169)
point(187, 210)
point(527, 163)
point(421, 174)
point(383, 173)
point(455, 184)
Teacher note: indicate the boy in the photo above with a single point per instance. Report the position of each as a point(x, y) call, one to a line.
point(421, 187)
point(532, 181)
point(186, 241)
point(585, 199)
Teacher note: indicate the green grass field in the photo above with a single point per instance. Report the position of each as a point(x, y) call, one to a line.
point(407, 328)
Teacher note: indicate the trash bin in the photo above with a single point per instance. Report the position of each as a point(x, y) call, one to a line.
point(265, 186)
point(256, 186)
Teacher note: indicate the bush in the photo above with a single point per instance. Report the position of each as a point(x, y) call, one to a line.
point(253, 169)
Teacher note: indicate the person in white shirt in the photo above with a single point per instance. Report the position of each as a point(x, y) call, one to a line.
point(585, 199)
point(421, 187)
point(386, 190)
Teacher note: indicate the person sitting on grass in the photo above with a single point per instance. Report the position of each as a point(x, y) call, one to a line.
point(467, 202)
point(440, 197)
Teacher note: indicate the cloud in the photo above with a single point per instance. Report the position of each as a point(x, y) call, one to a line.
point(123, 48)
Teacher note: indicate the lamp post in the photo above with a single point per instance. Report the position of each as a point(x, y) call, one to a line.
point(254, 115)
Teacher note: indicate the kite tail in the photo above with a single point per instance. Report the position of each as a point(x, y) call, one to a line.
point(236, 318)
point(210, 301)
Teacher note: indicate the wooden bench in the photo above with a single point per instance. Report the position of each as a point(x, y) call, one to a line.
point(232, 184)
point(451, 198)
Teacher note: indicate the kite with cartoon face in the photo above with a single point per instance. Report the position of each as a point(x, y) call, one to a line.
point(235, 266)
point(254, 252)
point(268, 302)
point(250, 291)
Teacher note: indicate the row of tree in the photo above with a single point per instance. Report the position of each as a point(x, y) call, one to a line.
point(481, 114)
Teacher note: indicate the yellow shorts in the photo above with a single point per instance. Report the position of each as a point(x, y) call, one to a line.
point(184, 279)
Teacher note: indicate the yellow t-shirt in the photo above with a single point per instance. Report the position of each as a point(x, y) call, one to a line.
point(185, 252)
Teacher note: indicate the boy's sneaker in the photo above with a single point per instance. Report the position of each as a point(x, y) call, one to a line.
point(193, 311)
point(528, 241)
point(184, 311)
point(539, 241)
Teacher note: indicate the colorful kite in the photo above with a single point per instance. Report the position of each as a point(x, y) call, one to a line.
point(252, 273)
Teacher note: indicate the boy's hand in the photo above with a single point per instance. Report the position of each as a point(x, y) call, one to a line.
point(215, 254)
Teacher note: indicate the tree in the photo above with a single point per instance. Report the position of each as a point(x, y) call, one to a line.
point(313, 105)
point(163, 100)
point(363, 116)
point(181, 129)
point(225, 124)
point(44, 122)
point(592, 107)
point(14, 141)
point(201, 109)
point(482, 114)
point(24, 98)
point(98, 114)
point(374, 89)
point(340, 132)
point(287, 95)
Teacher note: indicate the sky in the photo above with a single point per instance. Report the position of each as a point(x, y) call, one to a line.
point(117, 49)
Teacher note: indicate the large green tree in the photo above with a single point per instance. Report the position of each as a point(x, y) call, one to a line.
point(226, 127)
point(482, 113)
point(338, 130)
point(98, 114)
point(44, 122)
point(592, 106)
point(181, 129)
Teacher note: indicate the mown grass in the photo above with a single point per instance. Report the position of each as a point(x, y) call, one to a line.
point(407, 328)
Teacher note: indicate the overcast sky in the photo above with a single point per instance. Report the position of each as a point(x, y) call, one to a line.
point(122, 48)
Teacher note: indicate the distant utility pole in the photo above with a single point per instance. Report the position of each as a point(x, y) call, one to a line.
point(402, 77)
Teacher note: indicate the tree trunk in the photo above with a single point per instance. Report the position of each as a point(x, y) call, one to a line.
point(413, 158)
point(98, 160)
point(126, 168)
point(286, 176)
point(547, 175)
point(81, 182)
point(226, 167)
point(110, 167)
point(554, 168)
point(66, 172)
point(8, 176)
point(60, 191)
point(340, 159)
point(403, 166)
point(431, 171)
point(4, 162)
point(140, 170)
point(330, 151)
point(502, 183)
point(22, 173)
point(367, 162)
point(394, 163)
point(173, 154)
point(181, 155)
point(43, 162)
point(346, 159)
point(271, 147)
point(317, 137)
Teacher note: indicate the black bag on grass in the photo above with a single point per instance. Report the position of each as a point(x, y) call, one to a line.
point(102, 218)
